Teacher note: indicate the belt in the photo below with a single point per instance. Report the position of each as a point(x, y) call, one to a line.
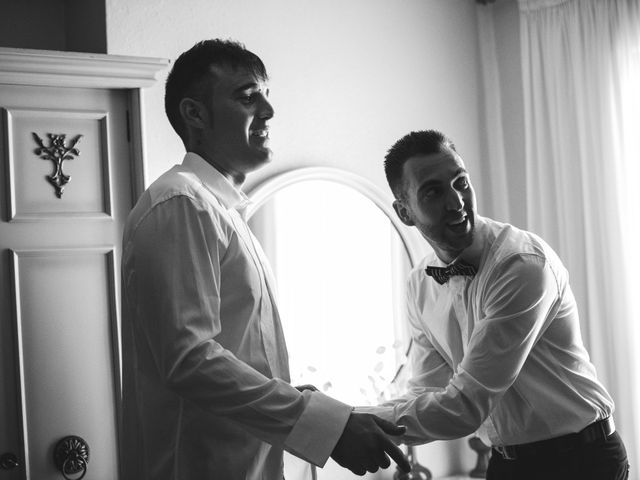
point(599, 430)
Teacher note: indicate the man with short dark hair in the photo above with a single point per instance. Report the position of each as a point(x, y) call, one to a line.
point(496, 341)
point(206, 391)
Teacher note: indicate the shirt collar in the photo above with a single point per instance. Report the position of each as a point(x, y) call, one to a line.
point(216, 182)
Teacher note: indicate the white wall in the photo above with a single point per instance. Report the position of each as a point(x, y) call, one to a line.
point(348, 78)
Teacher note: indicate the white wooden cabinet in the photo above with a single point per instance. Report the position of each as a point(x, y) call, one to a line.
point(74, 118)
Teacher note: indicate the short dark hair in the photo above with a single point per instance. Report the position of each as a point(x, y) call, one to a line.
point(424, 142)
point(192, 70)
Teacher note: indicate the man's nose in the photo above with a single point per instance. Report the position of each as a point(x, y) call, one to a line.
point(455, 201)
point(266, 109)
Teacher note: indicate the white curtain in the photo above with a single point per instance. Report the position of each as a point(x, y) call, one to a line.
point(495, 178)
point(581, 76)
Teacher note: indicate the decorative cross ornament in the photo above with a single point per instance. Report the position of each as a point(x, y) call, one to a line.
point(57, 152)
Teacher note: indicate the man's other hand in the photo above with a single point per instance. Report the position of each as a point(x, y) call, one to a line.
point(364, 445)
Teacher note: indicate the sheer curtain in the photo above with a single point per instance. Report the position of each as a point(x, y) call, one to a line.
point(581, 74)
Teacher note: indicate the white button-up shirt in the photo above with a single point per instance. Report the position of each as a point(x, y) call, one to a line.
point(206, 391)
point(502, 350)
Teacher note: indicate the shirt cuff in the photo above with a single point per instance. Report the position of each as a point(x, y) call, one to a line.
point(318, 429)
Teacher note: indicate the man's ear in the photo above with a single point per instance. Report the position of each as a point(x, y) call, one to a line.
point(403, 213)
point(193, 113)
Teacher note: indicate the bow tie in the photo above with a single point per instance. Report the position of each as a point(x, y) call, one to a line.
point(442, 274)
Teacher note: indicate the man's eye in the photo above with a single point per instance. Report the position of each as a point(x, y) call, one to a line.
point(431, 192)
point(247, 98)
point(462, 184)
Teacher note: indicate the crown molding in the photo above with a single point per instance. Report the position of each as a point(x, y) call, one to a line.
point(71, 69)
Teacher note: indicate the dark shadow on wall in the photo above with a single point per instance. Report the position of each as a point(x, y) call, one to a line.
point(64, 25)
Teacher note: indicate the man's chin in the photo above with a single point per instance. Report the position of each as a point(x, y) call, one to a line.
point(460, 242)
point(265, 153)
point(260, 159)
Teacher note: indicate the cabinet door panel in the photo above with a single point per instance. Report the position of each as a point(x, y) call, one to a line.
point(66, 332)
point(59, 274)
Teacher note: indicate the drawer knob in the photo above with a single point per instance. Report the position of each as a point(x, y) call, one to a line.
point(71, 456)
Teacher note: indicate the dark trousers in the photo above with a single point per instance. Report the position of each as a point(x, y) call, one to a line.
point(600, 460)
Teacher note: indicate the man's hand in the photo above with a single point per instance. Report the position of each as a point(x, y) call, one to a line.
point(364, 445)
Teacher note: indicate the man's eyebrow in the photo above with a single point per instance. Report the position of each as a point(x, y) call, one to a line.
point(246, 86)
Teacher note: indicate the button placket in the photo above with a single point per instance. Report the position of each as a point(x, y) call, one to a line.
point(268, 311)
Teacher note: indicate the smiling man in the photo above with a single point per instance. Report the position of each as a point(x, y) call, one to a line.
point(496, 343)
point(206, 391)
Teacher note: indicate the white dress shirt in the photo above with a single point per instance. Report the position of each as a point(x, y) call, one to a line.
point(206, 391)
point(501, 350)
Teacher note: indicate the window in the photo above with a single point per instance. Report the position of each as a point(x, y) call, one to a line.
point(338, 264)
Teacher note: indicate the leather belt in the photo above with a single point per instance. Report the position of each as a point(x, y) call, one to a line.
point(599, 430)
